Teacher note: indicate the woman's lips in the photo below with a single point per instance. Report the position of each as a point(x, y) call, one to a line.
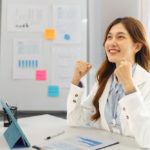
point(113, 51)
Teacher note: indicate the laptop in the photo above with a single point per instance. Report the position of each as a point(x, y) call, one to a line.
point(14, 134)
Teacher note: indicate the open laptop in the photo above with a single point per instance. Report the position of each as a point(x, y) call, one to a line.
point(14, 134)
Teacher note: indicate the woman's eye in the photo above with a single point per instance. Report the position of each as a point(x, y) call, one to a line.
point(121, 37)
point(109, 37)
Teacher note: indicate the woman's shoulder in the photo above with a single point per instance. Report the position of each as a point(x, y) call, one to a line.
point(141, 75)
point(140, 71)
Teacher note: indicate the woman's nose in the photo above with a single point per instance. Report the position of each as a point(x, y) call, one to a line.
point(113, 41)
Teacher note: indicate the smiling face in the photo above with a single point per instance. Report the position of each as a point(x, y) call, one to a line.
point(119, 45)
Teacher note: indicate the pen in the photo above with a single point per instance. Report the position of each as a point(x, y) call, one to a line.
point(36, 147)
point(50, 137)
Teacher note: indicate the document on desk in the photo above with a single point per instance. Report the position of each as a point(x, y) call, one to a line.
point(80, 143)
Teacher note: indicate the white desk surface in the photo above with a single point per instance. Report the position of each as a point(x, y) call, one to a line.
point(38, 127)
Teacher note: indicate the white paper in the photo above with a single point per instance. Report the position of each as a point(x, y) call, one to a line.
point(23, 17)
point(27, 58)
point(79, 143)
point(63, 64)
point(67, 22)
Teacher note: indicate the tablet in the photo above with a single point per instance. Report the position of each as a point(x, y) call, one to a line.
point(14, 134)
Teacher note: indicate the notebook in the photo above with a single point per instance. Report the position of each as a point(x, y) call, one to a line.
point(14, 134)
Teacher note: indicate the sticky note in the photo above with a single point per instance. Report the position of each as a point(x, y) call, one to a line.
point(53, 91)
point(49, 34)
point(67, 37)
point(41, 75)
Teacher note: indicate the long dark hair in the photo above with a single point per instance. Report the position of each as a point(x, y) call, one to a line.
point(142, 57)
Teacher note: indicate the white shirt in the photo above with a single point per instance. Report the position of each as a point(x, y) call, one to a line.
point(135, 108)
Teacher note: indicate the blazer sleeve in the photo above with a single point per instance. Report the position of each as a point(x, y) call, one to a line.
point(80, 109)
point(136, 107)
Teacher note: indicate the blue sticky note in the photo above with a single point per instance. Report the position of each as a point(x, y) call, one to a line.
point(53, 91)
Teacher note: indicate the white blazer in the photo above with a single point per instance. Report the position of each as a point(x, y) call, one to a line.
point(135, 108)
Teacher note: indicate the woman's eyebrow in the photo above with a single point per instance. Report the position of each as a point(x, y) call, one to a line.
point(122, 33)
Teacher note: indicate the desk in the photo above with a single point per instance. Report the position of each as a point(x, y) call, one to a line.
point(38, 127)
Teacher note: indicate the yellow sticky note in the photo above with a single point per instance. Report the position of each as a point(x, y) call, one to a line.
point(49, 34)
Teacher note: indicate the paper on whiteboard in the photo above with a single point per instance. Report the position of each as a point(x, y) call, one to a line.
point(63, 65)
point(23, 17)
point(67, 22)
point(26, 58)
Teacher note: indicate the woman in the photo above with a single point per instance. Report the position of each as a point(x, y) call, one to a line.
point(120, 99)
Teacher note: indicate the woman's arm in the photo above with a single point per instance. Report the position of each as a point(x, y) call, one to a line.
point(75, 112)
point(80, 110)
point(136, 107)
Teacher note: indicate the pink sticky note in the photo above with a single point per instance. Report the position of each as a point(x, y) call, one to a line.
point(41, 75)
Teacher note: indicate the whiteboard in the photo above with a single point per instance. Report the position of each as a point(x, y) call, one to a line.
point(40, 43)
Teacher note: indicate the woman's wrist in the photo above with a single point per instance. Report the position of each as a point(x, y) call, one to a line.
point(130, 91)
point(129, 88)
point(75, 82)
